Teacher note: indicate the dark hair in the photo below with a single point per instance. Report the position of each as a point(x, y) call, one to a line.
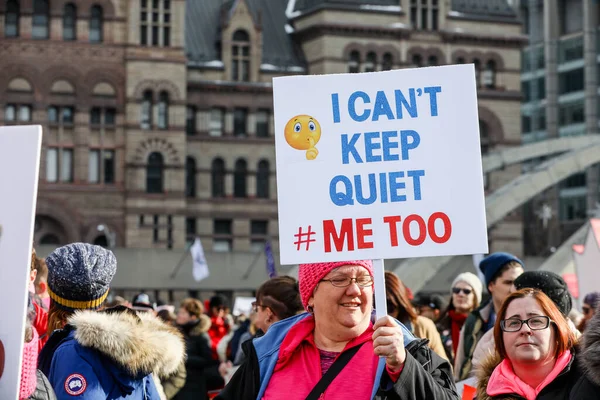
point(564, 336)
point(193, 307)
point(167, 316)
point(505, 267)
point(218, 300)
point(396, 296)
point(282, 295)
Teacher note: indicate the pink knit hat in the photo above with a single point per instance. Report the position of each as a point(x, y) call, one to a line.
point(310, 274)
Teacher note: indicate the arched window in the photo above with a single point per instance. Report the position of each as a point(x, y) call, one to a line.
point(262, 180)
point(96, 24)
point(371, 62)
point(489, 75)
point(354, 62)
point(432, 61)
point(154, 173)
point(240, 60)
point(477, 64)
point(146, 117)
point(11, 18)
point(50, 239)
point(218, 177)
point(163, 110)
point(388, 62)
point(101, 241)
point(240, 173)
point(190, 177)
point(417, 60)
point(460, 60)
point(70, 22)
point(41, 11)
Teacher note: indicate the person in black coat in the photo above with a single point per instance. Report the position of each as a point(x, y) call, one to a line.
point(202, 369)
point(541, 359)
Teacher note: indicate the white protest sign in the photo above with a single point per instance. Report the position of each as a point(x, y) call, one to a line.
point(19, 168)
point(242, 305)
point(379, 165)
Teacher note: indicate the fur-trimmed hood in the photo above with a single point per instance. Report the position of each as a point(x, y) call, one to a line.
point(139, 343)
point(198, 328)
point(590, 349)
point(483, 373)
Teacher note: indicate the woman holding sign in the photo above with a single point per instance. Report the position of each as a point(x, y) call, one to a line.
point(336, 350)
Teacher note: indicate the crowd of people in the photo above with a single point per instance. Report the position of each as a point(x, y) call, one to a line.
point(515, 335)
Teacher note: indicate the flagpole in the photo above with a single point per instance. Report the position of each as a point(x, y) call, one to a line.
point(181, 260)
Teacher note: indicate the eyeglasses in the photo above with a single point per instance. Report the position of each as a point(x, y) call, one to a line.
point(255, 306)
point(534, 323)
point(362, 281)
point(457, 290)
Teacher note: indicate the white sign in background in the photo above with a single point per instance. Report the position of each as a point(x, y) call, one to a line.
point(19, 169)
point(396, 167)
point(587, 264)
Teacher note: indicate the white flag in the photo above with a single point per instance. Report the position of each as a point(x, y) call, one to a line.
point(200, 267)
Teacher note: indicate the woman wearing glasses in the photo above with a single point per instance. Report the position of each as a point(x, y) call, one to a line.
point(399, 307)
point(336, 351)
point(465, 297)
point(536, 354)
point(590, 304)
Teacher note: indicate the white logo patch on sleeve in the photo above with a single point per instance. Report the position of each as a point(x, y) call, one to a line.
point(75, 384)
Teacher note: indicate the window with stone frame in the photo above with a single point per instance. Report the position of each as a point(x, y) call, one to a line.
point(240, 121)
point(477, 65)
point(217, 172)
point(263, 175)
point(190, 177)
point(96, 34)
point(222, 235)
point(190, 229)
point(371, 62)
point(432, 61)
point(101, 166)
point(163, 110)
point(262, 123)
point(69, 22)
point(259, 231)
point(354, 62)
point(40, 19)
point(240, 56)
point(154, 173)
point(424, 14)
point(146, 110)
point(217, 121)
point(59, 164)
point(155, 23)
point(103, 117)
point(61, 115)
point(488, 76)
point(190, 120)
point(11, 18)
point(387, 62)
point(15, 113)
point(417, 60)
point(240, 176)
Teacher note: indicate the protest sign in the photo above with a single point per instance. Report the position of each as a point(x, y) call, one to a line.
point(379, 165)
point(242, 305)
point(19, 167)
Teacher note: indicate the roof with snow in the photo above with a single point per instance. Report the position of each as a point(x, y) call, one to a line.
point(203, 32)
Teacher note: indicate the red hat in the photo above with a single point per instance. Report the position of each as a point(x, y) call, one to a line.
point(309, 275)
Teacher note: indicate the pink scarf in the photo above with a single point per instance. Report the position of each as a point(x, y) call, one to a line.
point(504, 381)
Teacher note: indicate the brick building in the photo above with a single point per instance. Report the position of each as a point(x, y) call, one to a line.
point(157, 114)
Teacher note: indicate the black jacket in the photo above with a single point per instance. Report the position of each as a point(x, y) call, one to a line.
point(201, 368)
point(425, 376)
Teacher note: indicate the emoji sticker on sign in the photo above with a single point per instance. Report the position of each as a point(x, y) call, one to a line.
point(303, 132)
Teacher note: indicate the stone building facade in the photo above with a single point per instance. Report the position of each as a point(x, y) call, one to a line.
point(158, 114)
